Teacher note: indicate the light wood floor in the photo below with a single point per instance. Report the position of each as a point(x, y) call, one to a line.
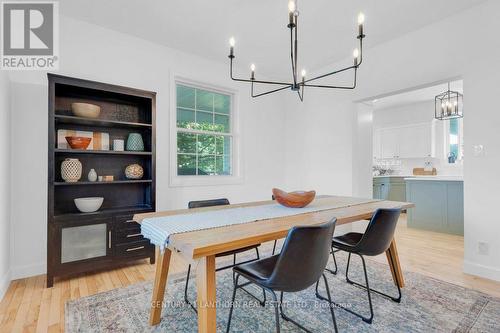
point(30, 307)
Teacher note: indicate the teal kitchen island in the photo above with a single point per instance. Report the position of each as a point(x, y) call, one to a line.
point(439, 203)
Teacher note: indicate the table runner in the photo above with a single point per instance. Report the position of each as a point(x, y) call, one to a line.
point(159, 229)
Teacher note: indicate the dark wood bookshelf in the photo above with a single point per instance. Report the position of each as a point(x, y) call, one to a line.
point(102, 152)
point(63, 119)
point(79, 242)
point(128, 181)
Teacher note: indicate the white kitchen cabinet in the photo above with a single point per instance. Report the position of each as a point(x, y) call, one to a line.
point(389, 143)
point(411, 141)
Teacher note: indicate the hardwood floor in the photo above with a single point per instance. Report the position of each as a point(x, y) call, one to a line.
point(30, 307)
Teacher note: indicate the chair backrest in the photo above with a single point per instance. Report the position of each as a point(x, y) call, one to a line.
point(303, 257)
point(379, 233)
point(208, 203)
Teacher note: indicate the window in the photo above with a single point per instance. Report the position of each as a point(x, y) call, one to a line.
point(455, 140)
point(204, 132)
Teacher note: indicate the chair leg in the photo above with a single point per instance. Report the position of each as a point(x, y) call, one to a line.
point(396, 299)
point(334, 272)
point(330, 302)
point(285, 317)
point(232, 303)
point(365, 319)
point(276, 311)
point(274, 246)
point(186, 290)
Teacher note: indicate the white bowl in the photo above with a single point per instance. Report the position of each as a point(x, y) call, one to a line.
point(86, 110)
point(88, 205)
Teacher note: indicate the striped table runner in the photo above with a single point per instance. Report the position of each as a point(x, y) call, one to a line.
point(159, 229)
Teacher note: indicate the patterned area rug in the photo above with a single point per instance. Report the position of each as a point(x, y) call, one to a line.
point(428, 305)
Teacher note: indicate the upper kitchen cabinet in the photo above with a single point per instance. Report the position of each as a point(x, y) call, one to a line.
point(411, 141)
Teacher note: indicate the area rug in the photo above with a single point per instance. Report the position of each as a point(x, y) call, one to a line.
point(428, 305)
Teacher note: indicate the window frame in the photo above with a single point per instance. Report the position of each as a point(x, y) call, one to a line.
point(236, 160)
point(460, 141)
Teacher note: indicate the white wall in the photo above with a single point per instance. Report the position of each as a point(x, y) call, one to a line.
point(95, 53)
point(4, 182)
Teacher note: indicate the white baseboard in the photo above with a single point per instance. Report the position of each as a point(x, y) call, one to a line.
point(4, 284)
point(19, 272)
point(488, 272)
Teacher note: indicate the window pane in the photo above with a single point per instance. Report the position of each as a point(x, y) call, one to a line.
point(186, 165)
point(206, 165)
point(204, 100)
point(206, 144)
point(185, 118)
point(185, 97)
point(223, 165)
point(204, 121)
point(222, 123)
point(222, 103)
point(223, 145)
point(186, 143)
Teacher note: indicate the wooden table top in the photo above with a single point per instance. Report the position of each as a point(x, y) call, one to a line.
point(201, 243)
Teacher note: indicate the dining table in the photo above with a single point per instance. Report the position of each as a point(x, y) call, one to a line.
point(201, 246)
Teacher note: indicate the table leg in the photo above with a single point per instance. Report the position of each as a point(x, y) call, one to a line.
point(205, 281)
point(393, 259)
point(159, 286)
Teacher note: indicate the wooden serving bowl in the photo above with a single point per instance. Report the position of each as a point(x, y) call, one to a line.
point(85, 110)
point(78, 142)
point(296, 199)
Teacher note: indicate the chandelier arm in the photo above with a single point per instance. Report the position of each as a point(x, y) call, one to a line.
point(355, 67)
point(292, 58)
point(248, 80)
point(270, 91)
point(301, 94)
point(296, 49)
point(353, 86)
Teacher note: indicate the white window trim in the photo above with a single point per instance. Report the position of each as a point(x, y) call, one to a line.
point(236, 156)
point(447, 142)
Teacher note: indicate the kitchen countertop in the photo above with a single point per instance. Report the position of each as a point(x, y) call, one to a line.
point(390, 176)
point(437, 178)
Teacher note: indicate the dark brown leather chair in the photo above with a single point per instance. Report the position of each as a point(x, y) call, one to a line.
point(300, 264)
point(374, 241)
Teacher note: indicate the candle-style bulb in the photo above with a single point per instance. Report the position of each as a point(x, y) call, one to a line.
point(361, 18)
point(303, 73)
point(291, 6)
point(232, 41)
point(355, 53)
point(252, 67)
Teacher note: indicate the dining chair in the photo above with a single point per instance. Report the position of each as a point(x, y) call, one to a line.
point(212, 203)
point(374, 241)
point(300, 264)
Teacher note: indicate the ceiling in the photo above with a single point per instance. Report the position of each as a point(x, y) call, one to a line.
point(416, 96)
point(327, 27)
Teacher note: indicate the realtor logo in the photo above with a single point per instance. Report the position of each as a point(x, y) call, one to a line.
point(30, 35)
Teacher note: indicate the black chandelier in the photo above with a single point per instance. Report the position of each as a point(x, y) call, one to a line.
point(299, 85)
point(448, 105)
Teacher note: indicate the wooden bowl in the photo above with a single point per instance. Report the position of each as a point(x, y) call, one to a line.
point(296, 199)
point(78, 142)
point(85, 110)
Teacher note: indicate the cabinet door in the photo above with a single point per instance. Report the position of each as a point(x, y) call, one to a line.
point(416, 141)
point(376, 144)
point(384, 191)
point(397, 192)
point(377, 191)
point(389, 143)
point(88, 241)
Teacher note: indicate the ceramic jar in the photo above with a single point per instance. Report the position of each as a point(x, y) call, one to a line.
point(92, 176)
point(134, 142)
point(71, 170)
point(134, 171)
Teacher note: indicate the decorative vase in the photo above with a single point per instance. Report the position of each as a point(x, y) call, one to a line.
point(71, 170)
point(92, 176)
point(134, 171)
point(134, 142)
